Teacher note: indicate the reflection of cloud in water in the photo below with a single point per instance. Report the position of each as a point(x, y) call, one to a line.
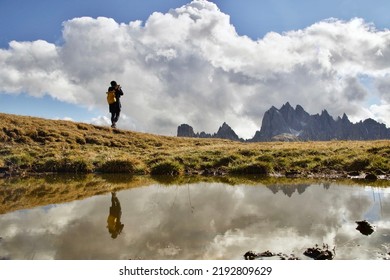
point(202, 221)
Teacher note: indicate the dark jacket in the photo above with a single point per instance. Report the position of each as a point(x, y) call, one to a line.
point(116, 106)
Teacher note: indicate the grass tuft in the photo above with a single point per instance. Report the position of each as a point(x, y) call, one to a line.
point(252, 169)
point(118, 166)
point(166, 168)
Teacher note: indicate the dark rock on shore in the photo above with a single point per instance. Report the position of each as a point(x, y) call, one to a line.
point(250, 255)
point(317, 253)
point(364, 227)
point(371, 177)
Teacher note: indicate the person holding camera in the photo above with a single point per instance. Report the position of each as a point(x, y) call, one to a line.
point(115, 106)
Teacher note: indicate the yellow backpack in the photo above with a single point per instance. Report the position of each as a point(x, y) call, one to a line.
point(111, 97)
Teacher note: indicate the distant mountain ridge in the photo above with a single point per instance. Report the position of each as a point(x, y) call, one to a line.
point(289, 124)
point(224, 132)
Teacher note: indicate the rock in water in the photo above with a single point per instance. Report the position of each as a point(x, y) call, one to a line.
point(364, 227)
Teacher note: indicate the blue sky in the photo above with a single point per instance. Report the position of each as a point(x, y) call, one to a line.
point(42, 19)
point(30, 21)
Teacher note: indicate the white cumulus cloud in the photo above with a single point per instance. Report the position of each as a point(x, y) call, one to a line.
point(189, 65)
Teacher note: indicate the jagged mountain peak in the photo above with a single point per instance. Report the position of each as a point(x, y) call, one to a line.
point(298, 123)
point(224, 132)
point(285, 106)
point(224, 125)
point(325, 113)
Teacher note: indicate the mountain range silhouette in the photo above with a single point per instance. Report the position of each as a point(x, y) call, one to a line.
point(295, 124)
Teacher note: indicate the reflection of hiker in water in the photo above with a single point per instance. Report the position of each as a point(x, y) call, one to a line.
point(114, 224)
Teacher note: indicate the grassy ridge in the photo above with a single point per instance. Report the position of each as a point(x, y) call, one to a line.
point(38, 145)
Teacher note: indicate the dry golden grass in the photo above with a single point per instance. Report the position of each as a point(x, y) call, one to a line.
point(34, 145)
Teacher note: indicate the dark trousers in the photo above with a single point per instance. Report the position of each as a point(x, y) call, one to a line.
point(115, 117)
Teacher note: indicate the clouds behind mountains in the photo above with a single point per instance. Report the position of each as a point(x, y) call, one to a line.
point(189, 65)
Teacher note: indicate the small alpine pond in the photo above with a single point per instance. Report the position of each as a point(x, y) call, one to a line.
point(204, 221)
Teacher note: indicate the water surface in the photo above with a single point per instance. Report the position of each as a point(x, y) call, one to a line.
point(203, 221)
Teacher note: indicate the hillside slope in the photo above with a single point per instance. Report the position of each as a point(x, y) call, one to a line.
point(42, 145)
point(35, 145)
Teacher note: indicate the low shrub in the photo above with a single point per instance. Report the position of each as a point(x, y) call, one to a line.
point(80, 140)
point(93, 140)
point(358, 164)
point(333, 163)
point(302, 163)
point(225, 161)
point(380, 163)
point(247, 153)
point(166, 168)
point(19, 160)
point(118, 166)
point(63, 165)
point(266, 158)
point(255, 168)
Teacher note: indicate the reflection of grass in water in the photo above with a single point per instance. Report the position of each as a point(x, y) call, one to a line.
point(29, 192)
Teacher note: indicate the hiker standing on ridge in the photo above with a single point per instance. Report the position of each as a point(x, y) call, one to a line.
point(113, 98)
